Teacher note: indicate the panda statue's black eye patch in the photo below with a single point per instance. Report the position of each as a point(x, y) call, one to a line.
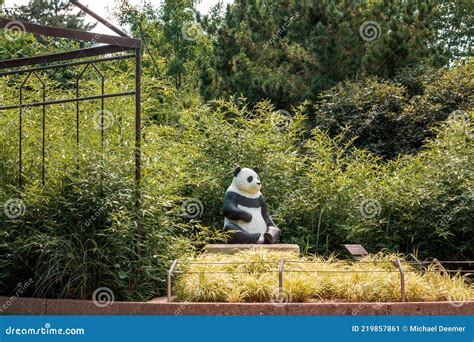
point(250, 179)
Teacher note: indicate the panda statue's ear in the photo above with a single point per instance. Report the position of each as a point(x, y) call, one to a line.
point(236, 171)
point(256, 169)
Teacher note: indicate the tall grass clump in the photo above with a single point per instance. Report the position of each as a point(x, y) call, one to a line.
point(79, 234)
point(252, 276)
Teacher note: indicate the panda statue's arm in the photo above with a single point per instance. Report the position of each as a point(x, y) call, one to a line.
point(265, 214)
point(231, 211)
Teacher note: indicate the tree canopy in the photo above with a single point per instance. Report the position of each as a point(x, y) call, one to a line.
point(60, 13)
point(289, 51)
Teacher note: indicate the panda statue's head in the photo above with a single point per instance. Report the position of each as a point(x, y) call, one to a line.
point(247, 180)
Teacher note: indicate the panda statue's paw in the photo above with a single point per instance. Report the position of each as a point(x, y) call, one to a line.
point(272, 235)
point(261, 239)
point(267, 238)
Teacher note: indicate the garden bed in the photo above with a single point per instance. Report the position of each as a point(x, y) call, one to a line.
point(282, 277)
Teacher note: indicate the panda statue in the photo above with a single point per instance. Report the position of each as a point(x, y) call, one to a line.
point(246, 216)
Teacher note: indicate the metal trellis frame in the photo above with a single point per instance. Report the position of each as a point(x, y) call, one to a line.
point(110, 48)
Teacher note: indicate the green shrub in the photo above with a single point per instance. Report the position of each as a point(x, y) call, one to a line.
point(391, 118)
point(320, 192)
point(415, 203)
point(79, 235)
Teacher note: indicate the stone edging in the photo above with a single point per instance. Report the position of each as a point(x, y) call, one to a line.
point(39, 306)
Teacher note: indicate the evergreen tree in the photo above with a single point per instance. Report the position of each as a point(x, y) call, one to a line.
point(289, 51)
point(58, 13)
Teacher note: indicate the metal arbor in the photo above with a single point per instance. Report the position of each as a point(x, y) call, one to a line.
point(110, 48)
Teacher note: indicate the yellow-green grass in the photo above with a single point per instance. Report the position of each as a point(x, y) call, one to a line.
point(252, 276)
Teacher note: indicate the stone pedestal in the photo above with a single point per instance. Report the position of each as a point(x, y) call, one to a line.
point(235, 248)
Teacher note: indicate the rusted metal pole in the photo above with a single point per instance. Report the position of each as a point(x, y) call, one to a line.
point(170, 275)
point(138, 153)
point(60, 32)
point(280, 280)
point(402, 279)
point(20, 151)
point(77, 104)
point(62, 56)
point(84, 98)
point(20, 169)
point(43, 129)
point(63, 65)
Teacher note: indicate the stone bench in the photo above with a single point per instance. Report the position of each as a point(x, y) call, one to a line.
point(235, 248)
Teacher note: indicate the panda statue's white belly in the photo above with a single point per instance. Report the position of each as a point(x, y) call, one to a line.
point(257, 225)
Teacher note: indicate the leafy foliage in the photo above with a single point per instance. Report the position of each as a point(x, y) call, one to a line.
point(392, 118)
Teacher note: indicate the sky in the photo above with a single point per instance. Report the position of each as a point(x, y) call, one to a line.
point(104, 7)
